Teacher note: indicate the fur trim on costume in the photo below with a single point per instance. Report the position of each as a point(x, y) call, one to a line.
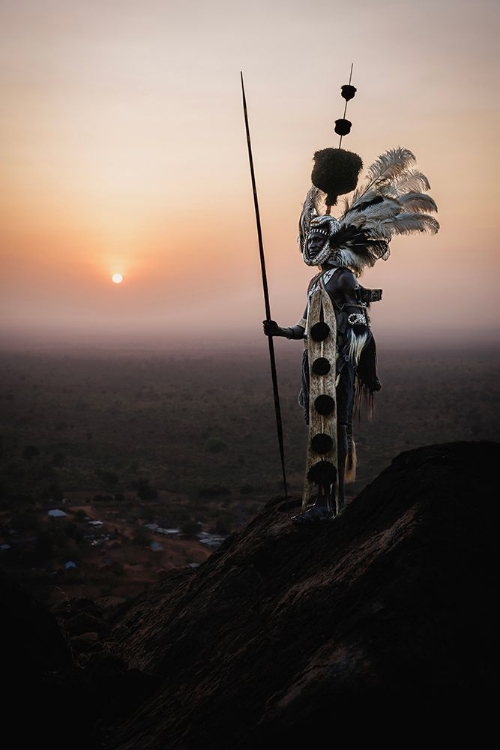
point(351, 463)
point(356, 344)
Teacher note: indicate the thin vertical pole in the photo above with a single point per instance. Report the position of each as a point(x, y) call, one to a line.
point(266, 293)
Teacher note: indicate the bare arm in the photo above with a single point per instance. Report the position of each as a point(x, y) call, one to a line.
point(346, 292)
point(271, 328)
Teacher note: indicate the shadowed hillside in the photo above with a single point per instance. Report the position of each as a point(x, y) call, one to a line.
point(380, 625)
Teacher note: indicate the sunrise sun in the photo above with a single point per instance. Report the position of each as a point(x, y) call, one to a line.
point(117, 278)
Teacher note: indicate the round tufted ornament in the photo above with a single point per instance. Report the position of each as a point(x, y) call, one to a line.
point(321, 366)
point(324, 405)
point(321, 443)
point(335, 172)
point(323, 472)
point(319, 331)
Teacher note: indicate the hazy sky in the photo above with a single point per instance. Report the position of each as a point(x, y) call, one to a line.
point(124, 151)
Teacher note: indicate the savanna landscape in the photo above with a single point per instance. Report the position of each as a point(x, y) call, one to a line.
point(187, 440)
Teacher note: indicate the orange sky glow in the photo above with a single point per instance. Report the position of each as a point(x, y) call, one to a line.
point(124, 151)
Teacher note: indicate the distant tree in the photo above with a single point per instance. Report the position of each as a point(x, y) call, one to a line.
point(25, 521)
point(145, 491)
point(147, 514)
point(102, 499)
point(108, 478)
point(221, 527)
point(16, 471)
point(214, 490)
point(215, 445)
point(118, 570)
point(45, 472)
point(44, 547)
point(74, 531)
point(176, 517)
point(142, 537)
point(30, 451)
point(191, 528)
point(53, 493)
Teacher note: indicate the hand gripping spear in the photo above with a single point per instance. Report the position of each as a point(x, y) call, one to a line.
point(266, 292)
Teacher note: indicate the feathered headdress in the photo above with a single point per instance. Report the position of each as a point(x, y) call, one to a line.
point(392, 200)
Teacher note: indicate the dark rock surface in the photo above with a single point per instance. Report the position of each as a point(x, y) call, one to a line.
point(381, 625)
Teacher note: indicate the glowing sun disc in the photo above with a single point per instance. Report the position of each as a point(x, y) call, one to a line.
point(117, 278)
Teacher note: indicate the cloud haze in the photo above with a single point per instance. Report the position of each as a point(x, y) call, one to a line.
point(125, 151)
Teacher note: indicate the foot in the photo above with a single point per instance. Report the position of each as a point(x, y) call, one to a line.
point(314, 514)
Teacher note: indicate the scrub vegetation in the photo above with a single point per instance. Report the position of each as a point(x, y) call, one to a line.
point(190, 441)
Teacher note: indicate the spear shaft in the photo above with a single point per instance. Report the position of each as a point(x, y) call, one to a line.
point(266, 292)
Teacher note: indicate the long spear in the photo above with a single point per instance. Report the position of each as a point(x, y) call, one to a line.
point(266, 292)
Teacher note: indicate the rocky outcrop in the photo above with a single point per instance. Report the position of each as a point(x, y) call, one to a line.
point(379, 625)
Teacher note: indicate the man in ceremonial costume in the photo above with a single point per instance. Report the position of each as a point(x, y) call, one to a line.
point(339, 362)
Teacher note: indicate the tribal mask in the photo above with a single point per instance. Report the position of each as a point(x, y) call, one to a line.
point(316, 246)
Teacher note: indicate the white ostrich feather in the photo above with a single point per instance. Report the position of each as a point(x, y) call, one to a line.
point(397, 179)
point(409, 180)
point(388, 208)
point(406, 223)
point(389, 165)
point(361, 195)
point(418, 202)
point(356, 219)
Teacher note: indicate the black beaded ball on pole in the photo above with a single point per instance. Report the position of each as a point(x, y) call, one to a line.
point(343, 126)
point(336, 171)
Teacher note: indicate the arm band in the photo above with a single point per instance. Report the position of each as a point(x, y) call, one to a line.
point(356, 319)
point(295, 332)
